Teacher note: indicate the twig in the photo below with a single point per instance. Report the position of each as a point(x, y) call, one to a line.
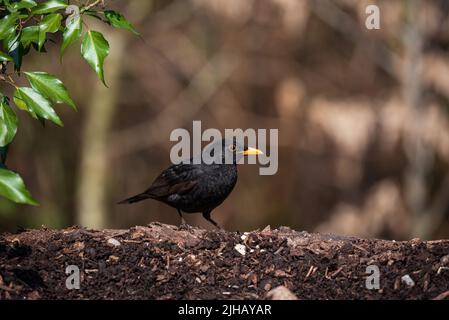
point(442, 296)
point(311, 271)
point(6, 288)
point(90, 6)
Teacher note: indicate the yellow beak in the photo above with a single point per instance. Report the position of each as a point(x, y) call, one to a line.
point(251, 151)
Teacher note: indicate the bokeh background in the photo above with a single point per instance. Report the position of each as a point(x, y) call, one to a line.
point(362, 116)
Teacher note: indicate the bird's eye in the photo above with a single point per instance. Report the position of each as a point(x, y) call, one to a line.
point(232, 147)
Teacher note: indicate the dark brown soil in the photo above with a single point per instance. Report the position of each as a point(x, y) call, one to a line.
point(162, 262)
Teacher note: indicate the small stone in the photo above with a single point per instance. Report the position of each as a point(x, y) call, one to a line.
point(445, 260)
point(281, 293)
point(240, 248)
point(114, 242)
point(408, 281)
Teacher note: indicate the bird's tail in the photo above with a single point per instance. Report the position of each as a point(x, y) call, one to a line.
point(137, 198)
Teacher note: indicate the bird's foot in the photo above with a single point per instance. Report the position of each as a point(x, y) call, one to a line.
point(185, 226)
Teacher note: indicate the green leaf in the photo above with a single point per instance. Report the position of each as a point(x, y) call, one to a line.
point(49, 6)
point(8, 25)
point(11, 41)
point(23, 4)
point(94, 50)
point(17, 55)
point(14, 48)
point(118, 20)
point(8, 122)
point(29, 35)
point(72, 32)
point(36, 104)
point(49, 23)
point(21, 104)
point(13, 188)
point(5, 57)
point(50, 87)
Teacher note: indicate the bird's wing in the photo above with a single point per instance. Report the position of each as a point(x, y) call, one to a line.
point(177, 179)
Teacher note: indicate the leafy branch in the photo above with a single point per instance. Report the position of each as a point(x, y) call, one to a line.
point(25, 25)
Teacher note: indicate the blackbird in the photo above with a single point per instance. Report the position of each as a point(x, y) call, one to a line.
point(202, 187)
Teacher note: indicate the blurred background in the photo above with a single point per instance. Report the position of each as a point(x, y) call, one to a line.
point(362, 116)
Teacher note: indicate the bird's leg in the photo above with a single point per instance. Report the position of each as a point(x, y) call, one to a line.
point(182, 218)
point(206, 215)
point(184, 224)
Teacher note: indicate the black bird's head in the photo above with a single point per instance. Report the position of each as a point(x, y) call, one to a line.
point(229, 151)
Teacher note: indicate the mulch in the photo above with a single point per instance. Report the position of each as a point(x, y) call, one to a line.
point(163, 262)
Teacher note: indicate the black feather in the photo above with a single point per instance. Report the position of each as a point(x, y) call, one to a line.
point(136, 198)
